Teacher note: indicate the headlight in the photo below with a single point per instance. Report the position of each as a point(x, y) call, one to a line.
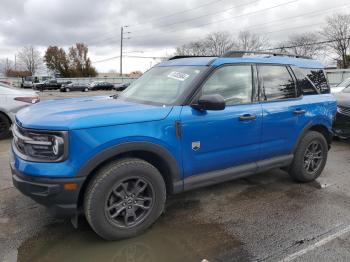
point(37, 145)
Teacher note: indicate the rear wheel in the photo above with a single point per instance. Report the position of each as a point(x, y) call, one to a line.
point(67, 89)
point(86, 89)
point(124, 199)
point(4, 126)
point(310, 157)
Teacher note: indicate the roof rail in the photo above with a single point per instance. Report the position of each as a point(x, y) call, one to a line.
point(242, 53)
point(187, 56)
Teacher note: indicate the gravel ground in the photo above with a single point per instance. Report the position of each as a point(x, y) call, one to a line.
point(265, 217)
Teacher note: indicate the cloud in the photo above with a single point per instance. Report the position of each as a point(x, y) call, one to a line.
point(154, 24)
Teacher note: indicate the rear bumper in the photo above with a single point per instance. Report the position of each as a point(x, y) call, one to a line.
point(50, 192)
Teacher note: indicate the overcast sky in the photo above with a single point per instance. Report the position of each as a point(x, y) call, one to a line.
point(155, 26)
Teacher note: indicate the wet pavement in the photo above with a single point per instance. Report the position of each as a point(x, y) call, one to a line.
point(265, 217)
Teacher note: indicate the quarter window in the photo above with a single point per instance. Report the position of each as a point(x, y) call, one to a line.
point(277, 83)
point(318, 77)
point(233, 83)
point(305, 86)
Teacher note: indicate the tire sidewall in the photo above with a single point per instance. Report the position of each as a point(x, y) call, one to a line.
point(4, 119)
point(298, 171)
point(111, 176)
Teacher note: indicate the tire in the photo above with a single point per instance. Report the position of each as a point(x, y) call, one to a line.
point(310, 157)
point(5, 124)
point(86, 89)
point(112, 187)
point(67, 89)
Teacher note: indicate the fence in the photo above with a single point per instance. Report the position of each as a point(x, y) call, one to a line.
point(16, 81)
point(336, 76)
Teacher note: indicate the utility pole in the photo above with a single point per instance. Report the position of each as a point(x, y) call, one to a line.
point(121, 50)
point(122, 33)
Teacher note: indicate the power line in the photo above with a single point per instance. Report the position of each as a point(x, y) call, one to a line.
point(176, 13)
point(128, 56)
point(184, 21)
point(218, 21)
point(230, 18)
point(206, 15)
point(309, 14)
point(166, 16)
point(260, 25)
point(308, 44)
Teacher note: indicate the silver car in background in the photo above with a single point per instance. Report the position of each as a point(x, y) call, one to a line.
point(341, 86)
point(11, 101)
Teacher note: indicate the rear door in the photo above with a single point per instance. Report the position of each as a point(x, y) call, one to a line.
point(214, 140)
point(284, 111)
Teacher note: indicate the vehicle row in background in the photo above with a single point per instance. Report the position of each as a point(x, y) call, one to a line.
point(85, 87)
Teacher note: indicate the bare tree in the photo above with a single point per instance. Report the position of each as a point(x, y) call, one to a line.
point(213, 44)
point(5, 66)
point(218, 43)
point(247, 41)
point(193, 48)
point(30, 58)
point(337, 32)
point(302, 45)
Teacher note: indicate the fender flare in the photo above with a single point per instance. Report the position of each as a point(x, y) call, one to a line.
point(305, 130)
point(161, 152)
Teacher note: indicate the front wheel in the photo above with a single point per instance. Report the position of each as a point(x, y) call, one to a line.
point(4, 126)
point(310, 157)
point(124, 199)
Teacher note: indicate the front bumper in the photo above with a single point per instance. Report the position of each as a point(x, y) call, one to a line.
point(49, 192)
point(341, 126)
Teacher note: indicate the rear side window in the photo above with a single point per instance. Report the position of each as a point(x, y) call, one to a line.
point(277, 83)
point(305, 86)
point(318, 77)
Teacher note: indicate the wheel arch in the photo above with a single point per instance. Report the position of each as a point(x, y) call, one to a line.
point(157, 155)
point(2, 112)
point(318, 127)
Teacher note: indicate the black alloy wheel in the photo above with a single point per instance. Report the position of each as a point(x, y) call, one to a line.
point(129, 203)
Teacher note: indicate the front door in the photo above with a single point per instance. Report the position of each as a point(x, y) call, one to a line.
point(214, 140)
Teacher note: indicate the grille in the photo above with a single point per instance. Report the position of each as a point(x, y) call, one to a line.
point(344, 110)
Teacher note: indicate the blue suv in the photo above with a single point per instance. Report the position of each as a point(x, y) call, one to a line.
point(186, 123)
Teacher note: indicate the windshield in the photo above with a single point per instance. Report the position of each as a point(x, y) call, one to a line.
point(162, 85)
point(345, 83)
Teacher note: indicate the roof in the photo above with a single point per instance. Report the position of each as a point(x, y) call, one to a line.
point(217, 61)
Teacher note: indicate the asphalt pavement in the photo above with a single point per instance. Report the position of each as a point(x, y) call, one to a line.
point(265, 217)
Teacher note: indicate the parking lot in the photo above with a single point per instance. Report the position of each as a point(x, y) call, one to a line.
point(265, 217)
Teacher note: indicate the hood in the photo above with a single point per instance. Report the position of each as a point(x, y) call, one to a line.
point(19, 92)
point(343, 99)
point(88, 112)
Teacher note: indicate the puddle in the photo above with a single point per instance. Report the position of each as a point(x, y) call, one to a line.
point(178, 235)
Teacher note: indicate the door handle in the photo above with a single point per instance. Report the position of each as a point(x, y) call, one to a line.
point(299, 111)
point(247, 117)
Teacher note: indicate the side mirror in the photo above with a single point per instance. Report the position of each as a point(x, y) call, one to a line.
point(210, 102)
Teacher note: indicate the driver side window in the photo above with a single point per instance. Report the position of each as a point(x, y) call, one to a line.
point(233, 83)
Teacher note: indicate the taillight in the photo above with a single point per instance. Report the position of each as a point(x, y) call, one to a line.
point(28, 99)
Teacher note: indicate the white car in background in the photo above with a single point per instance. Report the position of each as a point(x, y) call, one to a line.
point(11, 101)
point(341, 86)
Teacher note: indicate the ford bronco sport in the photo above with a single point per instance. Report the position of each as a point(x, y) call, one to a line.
point(186, 123)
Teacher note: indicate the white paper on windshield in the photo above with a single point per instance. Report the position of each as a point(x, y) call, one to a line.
point(178, 76)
